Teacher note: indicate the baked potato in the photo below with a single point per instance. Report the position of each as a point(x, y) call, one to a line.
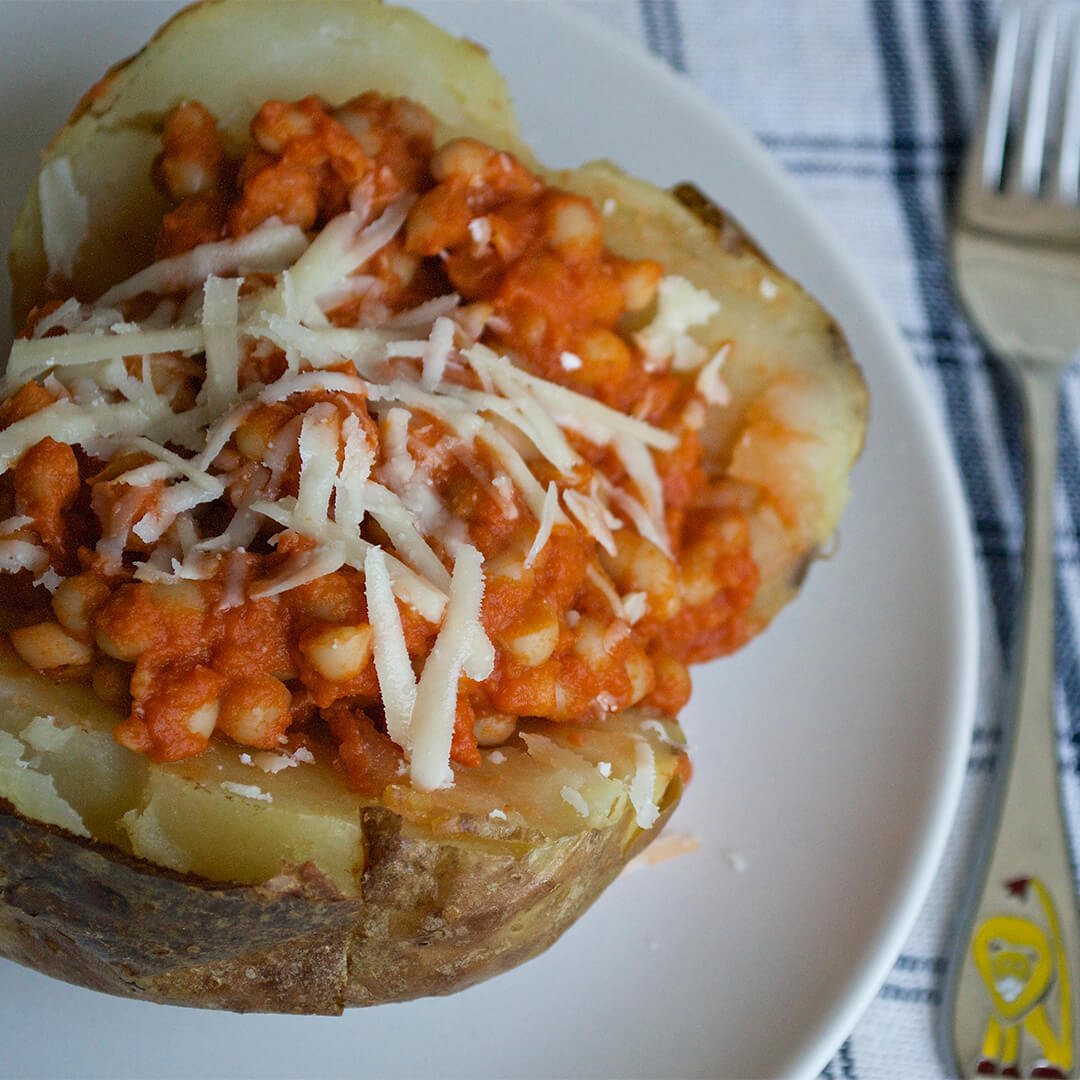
point(260, 876)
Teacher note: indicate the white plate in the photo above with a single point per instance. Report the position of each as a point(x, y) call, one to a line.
point(828, 754)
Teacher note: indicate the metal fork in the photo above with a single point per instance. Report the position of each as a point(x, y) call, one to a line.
point(1016, 260)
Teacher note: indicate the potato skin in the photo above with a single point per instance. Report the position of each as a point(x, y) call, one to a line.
point(434, 917)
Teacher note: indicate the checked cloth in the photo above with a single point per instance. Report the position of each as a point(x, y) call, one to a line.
point(868, 104)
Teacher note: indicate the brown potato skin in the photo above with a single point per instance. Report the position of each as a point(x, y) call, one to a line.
point(433, 918)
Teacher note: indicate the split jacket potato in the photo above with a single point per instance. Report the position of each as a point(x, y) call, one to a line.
point(262, 875)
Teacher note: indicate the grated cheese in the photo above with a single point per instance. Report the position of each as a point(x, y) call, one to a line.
point(301, 568)
point(643, 785)
point(709, 383)
point(426, 313)
point(590, 515)
point(67, 316)
point(16, 555)
point(547, 520)
point(634, 606)
point(247, 791)
point(641, 469)
point(343, 246)
point(436, 693)
point(65, 216)
point(74, 424)
point(575, 799)
point(268, 249)
point(34, 356)
point(357, 459)
point(318, 444)
point(666, 341)
point(393, 668)
point(221, 297)
point(436, 352)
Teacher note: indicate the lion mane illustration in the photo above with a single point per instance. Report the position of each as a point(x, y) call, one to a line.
point(1020, 963)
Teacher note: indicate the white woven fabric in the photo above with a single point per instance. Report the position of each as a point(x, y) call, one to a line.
point(868, 104)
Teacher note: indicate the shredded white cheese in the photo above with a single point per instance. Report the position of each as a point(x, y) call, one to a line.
point(247, 791)
point(548, 515)
point(65, 216)
point(393, 668)
point(681, 307)
point(436, 694)
point(575, 799)
point(643, 785)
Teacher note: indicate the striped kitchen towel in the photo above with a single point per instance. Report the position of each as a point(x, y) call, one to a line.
point(868, 104)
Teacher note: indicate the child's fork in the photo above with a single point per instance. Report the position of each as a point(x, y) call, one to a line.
point(1016, 255)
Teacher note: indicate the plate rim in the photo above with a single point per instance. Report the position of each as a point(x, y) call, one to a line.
point(899, 917)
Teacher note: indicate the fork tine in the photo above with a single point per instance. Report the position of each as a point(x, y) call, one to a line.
point(1068, 174)
point(996, 127)
point(1033, 137)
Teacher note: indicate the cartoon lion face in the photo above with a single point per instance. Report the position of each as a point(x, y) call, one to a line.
point(1014, 958)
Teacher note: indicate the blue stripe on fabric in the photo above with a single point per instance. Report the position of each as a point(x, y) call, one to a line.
point(1065, 656)
point(847, 1060)
point(857, 143)
point(892, 992)
point(952, 128)
point(981, 34)
point(663, 32)
point(937, 965)
point(934, 290)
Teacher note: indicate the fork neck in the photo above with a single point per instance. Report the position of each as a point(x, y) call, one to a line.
point(1040, 386)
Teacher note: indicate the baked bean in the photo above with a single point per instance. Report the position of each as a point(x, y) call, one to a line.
point(605, 357)
point(255, 712)
point(671, 689)
point(461, 159)
point(279, 121)
point(30, 398)
point(413, 119)
point(638, 565)
point(337, 653)
point(46, 480)
point(533, 638)
point(144, 677)
point(698, 573)
point(589, 643)
point(48, 646)
point(129, 644)
point(76, 599)
point(137, 618)
point(640, 281)
point(193, 158)
point(572, 227)
point(493, 729)
point(201, 721)
point(640, 673)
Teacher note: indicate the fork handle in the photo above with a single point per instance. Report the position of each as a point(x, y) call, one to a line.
point(1016, 995)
